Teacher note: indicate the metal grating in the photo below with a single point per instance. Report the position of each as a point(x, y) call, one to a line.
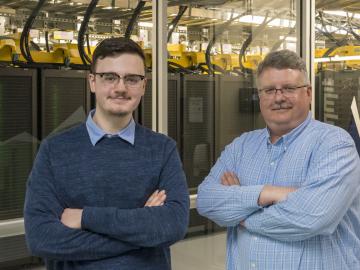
point(237, 110)
point(173, 107)
point(17, 138)
point(146, 104)
point(13, 248)
point(65, 100)
point(335, 92)
point(198, 128)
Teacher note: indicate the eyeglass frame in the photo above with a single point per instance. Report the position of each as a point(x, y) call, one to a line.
point(121, 77)
point(287, 91)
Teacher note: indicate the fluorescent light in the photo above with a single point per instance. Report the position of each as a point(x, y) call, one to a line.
point(145, 24)
point(292, 39)
point(252, 19)
point(342, 13)
point(259, 19)
point(322, 60)
point(336, 58)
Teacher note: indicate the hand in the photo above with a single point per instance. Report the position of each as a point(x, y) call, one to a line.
point(229, 179)
point(72, 218)
point(273, 194)
point(156, 199)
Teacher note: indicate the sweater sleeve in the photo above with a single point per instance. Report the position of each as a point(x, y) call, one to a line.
point(45, 234)
point(148, 226)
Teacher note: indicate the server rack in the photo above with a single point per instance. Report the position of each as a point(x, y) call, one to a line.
point(198, 117)
point(335, 92)
point(237, 109)
point(193, 132)
point(18, 145)
point(65, 99)
point(174, 99)
point(198, 127)
point(144, 110)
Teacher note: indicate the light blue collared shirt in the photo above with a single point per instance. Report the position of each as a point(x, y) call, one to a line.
point(96, 133)
point(316, 228)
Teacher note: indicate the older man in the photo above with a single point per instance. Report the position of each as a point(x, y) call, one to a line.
point(289, 194)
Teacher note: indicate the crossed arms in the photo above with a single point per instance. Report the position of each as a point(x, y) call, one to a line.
point(51, 231)
point(285, 213)
point(71, 217)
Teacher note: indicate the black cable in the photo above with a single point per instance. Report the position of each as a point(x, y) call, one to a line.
point(250, 38)
point(281, 41)
point(47, 41)
point(177, 67)
point(84, 57)
point(212, 41)
point(88, 44)
point(175, 21)
point(134, 18)
point(351, 28)
point(325, 32)
point(34, 46)
point(24, 38)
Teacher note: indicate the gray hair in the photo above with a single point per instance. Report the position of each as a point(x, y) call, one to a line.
point(283, 59)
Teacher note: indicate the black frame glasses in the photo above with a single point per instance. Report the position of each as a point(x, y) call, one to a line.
point(112, 78)
point(287, 91)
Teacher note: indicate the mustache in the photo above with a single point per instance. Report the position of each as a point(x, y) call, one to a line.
point(124, 96)
point(279, 106)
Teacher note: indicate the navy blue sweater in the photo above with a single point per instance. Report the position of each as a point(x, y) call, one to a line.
point(111, 181)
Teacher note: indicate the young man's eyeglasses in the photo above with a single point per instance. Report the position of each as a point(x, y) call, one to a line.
point(287, 91)
point(112, 78)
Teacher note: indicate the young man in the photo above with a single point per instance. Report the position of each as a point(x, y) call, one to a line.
point(109, 193)
point(290, 193)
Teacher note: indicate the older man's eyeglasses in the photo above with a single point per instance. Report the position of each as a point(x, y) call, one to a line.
point(112, 78)
point(287, 91)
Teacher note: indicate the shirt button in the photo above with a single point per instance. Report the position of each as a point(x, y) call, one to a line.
point(255, 238)
point(253, 265)
point(272, 163)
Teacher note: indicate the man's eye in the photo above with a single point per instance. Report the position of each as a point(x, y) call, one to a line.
point(289, 88)
point(269, 91)
point(109, 77)
point(132, 78)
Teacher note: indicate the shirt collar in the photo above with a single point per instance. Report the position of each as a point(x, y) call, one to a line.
point(292, 135)
point(96, 133)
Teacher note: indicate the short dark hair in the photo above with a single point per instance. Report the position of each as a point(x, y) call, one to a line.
point(283, 59)
point(115, 46)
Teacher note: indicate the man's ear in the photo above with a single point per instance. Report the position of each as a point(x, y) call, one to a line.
point(91, 80)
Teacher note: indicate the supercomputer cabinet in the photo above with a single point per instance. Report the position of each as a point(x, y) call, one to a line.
point(334, 94)
point(198, 127)
point(65, 99)
point(236, 109)
point(174, 99)
point(18, 146)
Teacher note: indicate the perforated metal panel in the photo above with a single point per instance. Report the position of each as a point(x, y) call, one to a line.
point(17, 137)
point(198, 128)
point(145, 106)
point(65, 99)
point(237, 109)
point(13, 248)
point(18, 144)
point(173, 106)
point(335, 92)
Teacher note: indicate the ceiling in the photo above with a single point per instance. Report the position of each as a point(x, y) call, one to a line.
point(200, 12)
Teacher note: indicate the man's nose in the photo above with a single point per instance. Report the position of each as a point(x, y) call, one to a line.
point(279, 96)
point(120, 84)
